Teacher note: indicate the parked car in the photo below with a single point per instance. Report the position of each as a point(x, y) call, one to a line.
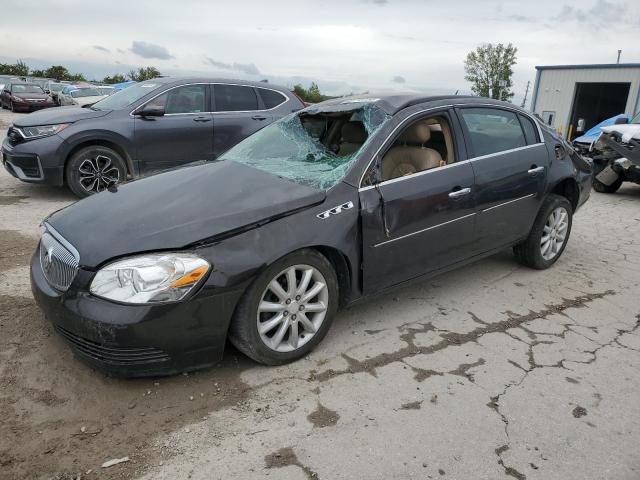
point(616, 155)
point(106, 89)
point(53, 89)
point(24, 97)
point(335, 203)
point(145, 128)
point(80, 95)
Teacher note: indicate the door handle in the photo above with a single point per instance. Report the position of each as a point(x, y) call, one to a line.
point(460, 192)
point(535, 170)
point(258, 117)
point(202, 119)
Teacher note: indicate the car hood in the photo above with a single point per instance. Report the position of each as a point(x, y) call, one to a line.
point(89, 100)
point(178, 208)
point(51, 116)
point(40, 96)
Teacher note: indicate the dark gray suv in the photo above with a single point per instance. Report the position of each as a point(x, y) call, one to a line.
point(148, 127)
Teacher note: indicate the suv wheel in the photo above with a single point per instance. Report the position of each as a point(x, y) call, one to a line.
point(549, 235)
point(287, 310)
point(94, 169)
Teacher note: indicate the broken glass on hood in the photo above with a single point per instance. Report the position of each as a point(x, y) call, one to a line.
point(313, 147)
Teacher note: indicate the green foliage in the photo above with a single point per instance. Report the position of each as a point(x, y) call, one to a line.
point(144, 73)
point(21, 69)
point(115, 78)
point(488, 68)
point(310, 95)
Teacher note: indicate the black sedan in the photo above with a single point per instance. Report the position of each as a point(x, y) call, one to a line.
point(330, 205)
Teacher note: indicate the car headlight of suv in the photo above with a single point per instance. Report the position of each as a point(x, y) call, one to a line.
point(151, 278)
point(42, 130)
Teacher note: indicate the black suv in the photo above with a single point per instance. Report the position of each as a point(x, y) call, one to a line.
point(150, 126)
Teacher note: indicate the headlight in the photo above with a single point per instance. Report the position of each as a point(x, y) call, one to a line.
point(43, 130)
point(18, 99)
point(152, 278)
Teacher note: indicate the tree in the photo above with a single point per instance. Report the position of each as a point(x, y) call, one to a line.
point(115, 78)
point(488, 68)
point(18, 69)
point(311, 95)
point(144, 73)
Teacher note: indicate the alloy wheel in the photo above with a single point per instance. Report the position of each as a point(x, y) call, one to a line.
point(554, 233)
point(292, 308)
point(98, 173)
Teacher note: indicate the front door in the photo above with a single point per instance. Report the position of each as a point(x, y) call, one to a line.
point(510, 165)
point(238, 114)
point(183, 135)
point(420, 216)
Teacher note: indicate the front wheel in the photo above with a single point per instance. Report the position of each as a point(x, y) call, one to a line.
point(549, 235)
point(287, 310)
point(94, 169)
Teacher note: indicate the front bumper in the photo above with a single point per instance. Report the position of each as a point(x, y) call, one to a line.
point(35, 161)
point(31, 107)
point(136, 340)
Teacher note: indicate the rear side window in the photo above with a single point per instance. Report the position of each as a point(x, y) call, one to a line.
point(234, 98)
point(529, 128)
point(184, 99)
point(492, 130)
point(271, 98)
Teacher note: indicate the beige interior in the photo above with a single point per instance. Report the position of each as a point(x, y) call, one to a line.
point(412, 151)
point(353, 136)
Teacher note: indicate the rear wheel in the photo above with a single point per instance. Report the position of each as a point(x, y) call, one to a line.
point(94, 169)
point(288, 309)
point(549, 235)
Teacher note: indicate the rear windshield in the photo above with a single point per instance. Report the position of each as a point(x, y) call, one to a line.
point(26, 89)
point(313, 147)
point(127, 96)
point(85, 92)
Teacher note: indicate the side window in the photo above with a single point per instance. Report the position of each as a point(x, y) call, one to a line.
point(185, 99)
point(492, 130)
point(234, 98)
point(424, 144)
point(530, 131)
point(271, 98)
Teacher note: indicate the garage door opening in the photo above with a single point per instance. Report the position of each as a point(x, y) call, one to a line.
point(595, 102)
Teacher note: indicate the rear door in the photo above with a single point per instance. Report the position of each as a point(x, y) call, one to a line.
point(510, 163)
point(183, 135)
point(238, 113)
point(418, 223)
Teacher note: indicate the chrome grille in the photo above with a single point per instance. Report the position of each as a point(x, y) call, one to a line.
point(58, 264)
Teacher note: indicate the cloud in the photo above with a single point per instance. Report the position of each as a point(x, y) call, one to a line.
point(377, 2)
point(102, 49)
point(398, 79)
point(121, 50)
point(247, 68)
point(602, 12)
point(150, 50)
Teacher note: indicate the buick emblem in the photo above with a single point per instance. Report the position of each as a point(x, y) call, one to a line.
point(48, 260)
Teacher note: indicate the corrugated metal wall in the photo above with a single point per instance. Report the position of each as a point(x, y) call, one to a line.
point(556, 89)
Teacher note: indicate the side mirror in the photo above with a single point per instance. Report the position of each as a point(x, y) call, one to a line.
point(621, 121)
point(150, 111)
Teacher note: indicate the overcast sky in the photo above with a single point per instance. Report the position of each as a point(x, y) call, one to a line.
point(347, 45)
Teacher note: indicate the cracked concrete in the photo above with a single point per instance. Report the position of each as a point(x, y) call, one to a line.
point(493, 371)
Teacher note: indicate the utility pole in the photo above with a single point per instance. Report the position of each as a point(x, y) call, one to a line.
point(526, 92)
point(619, 52)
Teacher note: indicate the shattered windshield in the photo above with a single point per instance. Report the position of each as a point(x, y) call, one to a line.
point(314, 147)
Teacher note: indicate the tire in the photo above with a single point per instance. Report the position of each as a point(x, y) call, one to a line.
point(602, 188)
point(11, 107)
point(94, 169)
point(262, 347)
point(531, 252)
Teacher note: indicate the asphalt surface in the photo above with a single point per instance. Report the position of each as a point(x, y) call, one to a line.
point(492, 371)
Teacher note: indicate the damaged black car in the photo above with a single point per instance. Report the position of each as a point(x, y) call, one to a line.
point(330, 205)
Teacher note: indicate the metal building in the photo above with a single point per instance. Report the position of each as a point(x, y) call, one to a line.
point(574, 98)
